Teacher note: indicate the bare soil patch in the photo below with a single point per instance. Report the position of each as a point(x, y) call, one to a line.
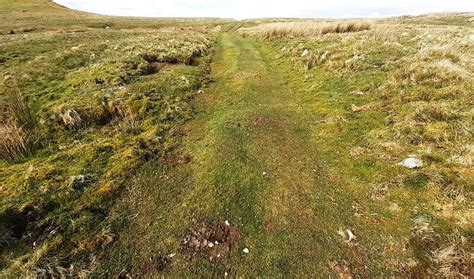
point(259, 121)
point(213, 242)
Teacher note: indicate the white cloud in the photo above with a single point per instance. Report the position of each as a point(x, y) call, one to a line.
point(241, 9)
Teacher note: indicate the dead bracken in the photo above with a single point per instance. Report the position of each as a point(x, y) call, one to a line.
point(215, 241)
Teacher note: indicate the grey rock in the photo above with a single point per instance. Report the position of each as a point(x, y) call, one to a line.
point(79, 182)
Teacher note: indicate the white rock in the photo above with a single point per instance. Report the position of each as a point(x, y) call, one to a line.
point(412, 163)
point(350, 235)
point(246, 250)
point(227, 223)
point(305, 53)
point(210, 244)
point(264, 173)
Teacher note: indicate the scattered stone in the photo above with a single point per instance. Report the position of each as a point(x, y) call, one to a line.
point(227, 222)
point(264, 173)
point(79, 182)
point(411, 163)
point(107, 27)
point(7, 77)
point(221, 241)
point(200, 91)
point(246, 250)
point(305, 53)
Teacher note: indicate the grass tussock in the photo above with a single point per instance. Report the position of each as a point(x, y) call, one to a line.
point(305, 29)
point(13, 141)
point(16, 122)
point(443, 256)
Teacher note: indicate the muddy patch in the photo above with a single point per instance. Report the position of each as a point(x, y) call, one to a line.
point(156, 264)
point(215, 241)
point(175, 160)
point(259, 121)
point(342, 269)
point(17, 222)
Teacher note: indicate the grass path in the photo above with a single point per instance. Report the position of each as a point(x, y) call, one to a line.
point(256, 165)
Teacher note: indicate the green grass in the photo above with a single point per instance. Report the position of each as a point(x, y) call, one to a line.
point(28, 16)
point(182, 125)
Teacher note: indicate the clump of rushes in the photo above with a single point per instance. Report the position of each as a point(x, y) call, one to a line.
point(16, 123)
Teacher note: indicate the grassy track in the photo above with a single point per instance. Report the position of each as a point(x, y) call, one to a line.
point(257, 164)
point(254, 165)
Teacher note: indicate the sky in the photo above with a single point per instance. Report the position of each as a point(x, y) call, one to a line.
point(244, 9)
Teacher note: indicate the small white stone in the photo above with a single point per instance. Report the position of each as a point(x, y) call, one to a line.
point(412, 163)
point(305, 53)
point(216, 242)
point(172, 255)
point(246, 250)
point(227, 222)
point(350, 235)
point(264, 173)
point(210, 244)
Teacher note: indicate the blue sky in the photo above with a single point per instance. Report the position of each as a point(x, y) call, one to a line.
point(242, 9)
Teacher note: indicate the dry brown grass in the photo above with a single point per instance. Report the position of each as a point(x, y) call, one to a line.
point(306, 29)
point(14, 106)
point(13, 141)
point(15, 121)
point(449, 255)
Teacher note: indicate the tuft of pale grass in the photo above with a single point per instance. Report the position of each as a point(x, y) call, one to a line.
point(305, 29)
point(15, 121)
point(385, 33)
point(13, 141)
point(464, 155)
point(71, 119)
point(14, 107)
